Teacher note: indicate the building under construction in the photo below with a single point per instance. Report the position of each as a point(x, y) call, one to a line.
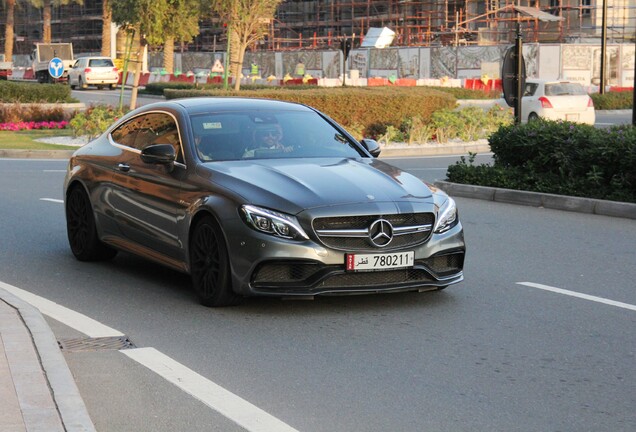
point(310, 24)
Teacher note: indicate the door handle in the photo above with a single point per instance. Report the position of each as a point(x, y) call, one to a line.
point(123, 167)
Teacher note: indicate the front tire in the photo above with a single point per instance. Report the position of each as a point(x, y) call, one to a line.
point(210, 265)
point(81, 228)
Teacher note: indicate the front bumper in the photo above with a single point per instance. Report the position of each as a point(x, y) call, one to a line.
point(273, 267)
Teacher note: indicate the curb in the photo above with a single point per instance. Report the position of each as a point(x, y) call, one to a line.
point(69, 402)
point(441, 150)
point(537, 199)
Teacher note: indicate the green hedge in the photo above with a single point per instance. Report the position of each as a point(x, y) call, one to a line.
point(558, 157)
point(24, 92)
point(351, 107)
point(159, 87)
point(613, 100)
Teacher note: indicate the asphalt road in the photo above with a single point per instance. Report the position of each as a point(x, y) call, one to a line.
point(487, 354)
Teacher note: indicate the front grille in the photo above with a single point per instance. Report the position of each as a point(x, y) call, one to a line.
point(282, 272)
point(308, 277)
point(443, 265)
point(377, 279)
point(350, 233)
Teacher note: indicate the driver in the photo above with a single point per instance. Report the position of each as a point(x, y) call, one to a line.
point(267, 137)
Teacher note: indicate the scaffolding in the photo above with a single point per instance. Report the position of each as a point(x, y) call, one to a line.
point(322, 24)
point(307, 24)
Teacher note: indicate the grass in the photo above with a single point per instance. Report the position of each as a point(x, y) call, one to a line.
point(26, 140)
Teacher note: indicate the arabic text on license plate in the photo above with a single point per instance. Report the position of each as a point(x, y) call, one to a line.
point(383, 261)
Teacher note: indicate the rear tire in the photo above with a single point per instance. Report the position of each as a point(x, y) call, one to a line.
point(81, 228)
point(533, 117)
point(210, 265)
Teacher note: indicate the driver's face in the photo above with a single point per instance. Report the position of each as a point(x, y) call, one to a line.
point(269, 136)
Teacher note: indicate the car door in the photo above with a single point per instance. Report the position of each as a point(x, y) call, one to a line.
point(73, 72)
point(146, 196)
point(530, 100)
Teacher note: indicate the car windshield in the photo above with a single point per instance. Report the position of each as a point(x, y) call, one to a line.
point(100, 63)
point(564, 89)
point(268, 135)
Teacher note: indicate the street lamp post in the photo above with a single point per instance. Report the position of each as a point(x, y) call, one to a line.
point(601, 89)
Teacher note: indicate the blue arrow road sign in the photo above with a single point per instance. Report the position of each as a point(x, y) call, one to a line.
point(56, 67)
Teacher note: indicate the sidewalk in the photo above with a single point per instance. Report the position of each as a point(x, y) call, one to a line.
point(37, 389)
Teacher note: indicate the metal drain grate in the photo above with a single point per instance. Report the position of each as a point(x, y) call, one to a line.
point(95, 344)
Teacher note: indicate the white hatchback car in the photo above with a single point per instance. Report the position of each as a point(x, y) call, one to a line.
point(557, 100)
point(98, 71)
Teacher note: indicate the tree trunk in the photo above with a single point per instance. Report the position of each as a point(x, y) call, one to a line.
point(168, 54)
point(46, 27)
point(137, 77)
point(107, 16)
point(8, 31)
point(237, 51)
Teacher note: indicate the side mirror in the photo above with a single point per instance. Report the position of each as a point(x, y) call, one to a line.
point(372, 146)
point(161, 154)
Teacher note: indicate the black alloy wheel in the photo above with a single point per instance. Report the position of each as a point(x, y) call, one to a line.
point(81, 229)
point(210, 266)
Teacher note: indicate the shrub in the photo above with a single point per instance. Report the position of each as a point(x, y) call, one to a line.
point(558, 157)
point(94, 121)
point(348, 105)
point(24, 92)
point(469, 123)
point(613, 100)
point(17, 112)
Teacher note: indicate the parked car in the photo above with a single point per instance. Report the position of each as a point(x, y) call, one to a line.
point(97, 71)
point(557, 100)
point(259, 197)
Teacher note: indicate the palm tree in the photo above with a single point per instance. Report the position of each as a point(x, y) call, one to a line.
point(8, 30)
point(107, 19)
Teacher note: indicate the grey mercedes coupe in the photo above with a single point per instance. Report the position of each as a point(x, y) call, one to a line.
point(259, 197)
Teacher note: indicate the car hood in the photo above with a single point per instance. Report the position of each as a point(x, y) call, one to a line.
point(294, 185)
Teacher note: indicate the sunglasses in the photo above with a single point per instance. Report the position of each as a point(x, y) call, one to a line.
point(269, 133)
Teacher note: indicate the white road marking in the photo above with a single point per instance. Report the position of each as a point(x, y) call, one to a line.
point(52, 200)
point(579, 295)
point(216, 397)
point(73, 319)
point(233, 407)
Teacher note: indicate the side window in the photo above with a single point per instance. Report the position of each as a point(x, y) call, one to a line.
point(126, 133)
point(531, 88)
point(148, 129)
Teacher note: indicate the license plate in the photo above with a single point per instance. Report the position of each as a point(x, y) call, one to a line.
point(384, 261)
point(571, 117)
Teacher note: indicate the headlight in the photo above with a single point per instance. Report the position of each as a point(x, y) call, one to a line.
point(274, 223)
point(446, 216)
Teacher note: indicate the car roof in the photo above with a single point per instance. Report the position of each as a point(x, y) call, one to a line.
point(197, 105)
point(546, 81)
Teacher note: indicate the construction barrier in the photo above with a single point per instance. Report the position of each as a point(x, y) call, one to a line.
point(479, 84)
